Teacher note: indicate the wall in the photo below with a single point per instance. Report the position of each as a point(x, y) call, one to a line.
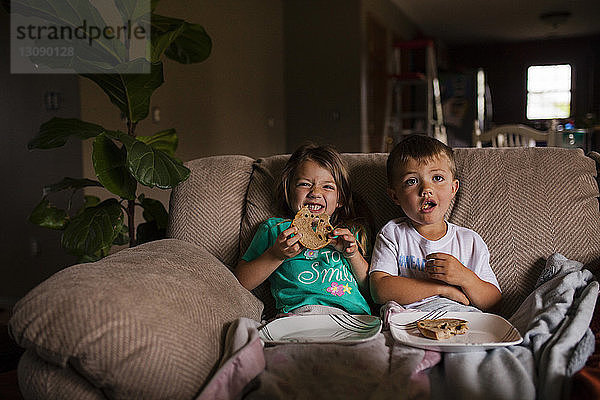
point(322, 72)
point(506, 67)
point(30, 254)
point(325, 68)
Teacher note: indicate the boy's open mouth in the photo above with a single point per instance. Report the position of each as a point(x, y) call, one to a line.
point(428, 205)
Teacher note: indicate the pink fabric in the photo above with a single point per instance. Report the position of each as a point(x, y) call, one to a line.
point(419, 387)
point(246, 361)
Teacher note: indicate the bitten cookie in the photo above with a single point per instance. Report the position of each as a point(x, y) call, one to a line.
point(314, 228)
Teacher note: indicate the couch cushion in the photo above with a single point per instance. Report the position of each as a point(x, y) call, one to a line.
point(147, 322)
point(207, 208)
point(39, 379)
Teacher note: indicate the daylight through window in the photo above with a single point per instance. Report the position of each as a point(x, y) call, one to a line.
point(548, 91)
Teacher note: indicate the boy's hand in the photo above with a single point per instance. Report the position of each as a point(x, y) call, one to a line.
point(286, 246)
point(344, 241)
point(446, 268)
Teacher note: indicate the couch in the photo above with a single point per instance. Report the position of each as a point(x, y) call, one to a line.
point(150, 322)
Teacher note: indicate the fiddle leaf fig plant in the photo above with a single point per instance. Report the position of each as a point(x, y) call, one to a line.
point(122, 159)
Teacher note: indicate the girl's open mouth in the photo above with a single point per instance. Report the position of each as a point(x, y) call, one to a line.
point(315, 208)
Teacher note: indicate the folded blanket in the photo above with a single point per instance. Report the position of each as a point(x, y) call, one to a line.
point(554, 322)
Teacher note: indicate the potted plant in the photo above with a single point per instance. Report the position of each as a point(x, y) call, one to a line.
point(122, 160)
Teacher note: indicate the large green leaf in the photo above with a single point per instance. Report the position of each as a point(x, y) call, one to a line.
point(57, 131)
point(154, 210)
point(90, 201)
point(49, 216)
point(131, 92)
point(165, 141)
point(155, 168)
point(164, 32)
point(70, 183)
point(123, 236)
point(110, 166)
point(179, 40)
point(149, 231)
point(94, 229)
point(156, 217)
point(152, 167)
point(193, 45)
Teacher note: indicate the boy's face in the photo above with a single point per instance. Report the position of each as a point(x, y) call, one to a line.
point(424, 191)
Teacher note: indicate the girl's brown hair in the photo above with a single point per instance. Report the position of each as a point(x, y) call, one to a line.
point(330, 159)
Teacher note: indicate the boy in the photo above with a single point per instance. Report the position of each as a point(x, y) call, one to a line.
point(422, 257)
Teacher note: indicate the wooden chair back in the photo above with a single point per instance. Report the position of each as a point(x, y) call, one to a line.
point(513, 135)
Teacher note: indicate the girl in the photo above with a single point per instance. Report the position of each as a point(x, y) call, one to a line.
point(301, 279)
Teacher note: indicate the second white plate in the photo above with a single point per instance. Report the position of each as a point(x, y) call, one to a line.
point(326, 328)
point(486, 331)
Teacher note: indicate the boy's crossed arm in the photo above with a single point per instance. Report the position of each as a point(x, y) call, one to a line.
point(386, 287)
point(447, 278)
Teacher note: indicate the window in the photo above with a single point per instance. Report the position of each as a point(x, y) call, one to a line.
point(548, 91)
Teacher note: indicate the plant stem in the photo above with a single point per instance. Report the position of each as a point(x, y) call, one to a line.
point(130, 221)
point(131, 203)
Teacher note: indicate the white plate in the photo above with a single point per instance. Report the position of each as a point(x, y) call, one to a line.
point(486, 331)
point(326, 328)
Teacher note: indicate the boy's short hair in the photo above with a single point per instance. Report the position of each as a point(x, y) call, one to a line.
point(420, 148)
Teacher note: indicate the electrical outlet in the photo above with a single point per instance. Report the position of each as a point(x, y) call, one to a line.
point(52, 100)
point(34, 247)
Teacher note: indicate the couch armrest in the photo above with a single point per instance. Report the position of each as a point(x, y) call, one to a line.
point(147, 322)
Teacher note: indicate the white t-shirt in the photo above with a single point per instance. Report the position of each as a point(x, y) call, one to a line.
point(401, 251)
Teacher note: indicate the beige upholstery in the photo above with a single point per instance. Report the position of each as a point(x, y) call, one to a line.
point(149, 322)
point(206, 210)
point(516, 135)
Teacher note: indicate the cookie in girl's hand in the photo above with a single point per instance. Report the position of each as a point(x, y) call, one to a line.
point(314, 228)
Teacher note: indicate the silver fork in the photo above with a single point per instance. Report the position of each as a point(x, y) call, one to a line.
point(413, 324)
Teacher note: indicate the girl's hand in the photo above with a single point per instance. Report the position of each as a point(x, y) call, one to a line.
point(344, 241)
point(446, 268)
point(286, 246)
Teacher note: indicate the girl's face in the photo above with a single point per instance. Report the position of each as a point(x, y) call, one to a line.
point(314, 186)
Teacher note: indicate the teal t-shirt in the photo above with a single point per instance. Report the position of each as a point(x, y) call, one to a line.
point(313, 277)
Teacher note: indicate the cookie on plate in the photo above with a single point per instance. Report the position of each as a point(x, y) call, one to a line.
point(442, 328)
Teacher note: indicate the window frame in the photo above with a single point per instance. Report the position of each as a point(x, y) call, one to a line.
point(570, 91)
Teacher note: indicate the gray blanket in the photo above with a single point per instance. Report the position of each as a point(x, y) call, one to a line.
point(554, 322)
